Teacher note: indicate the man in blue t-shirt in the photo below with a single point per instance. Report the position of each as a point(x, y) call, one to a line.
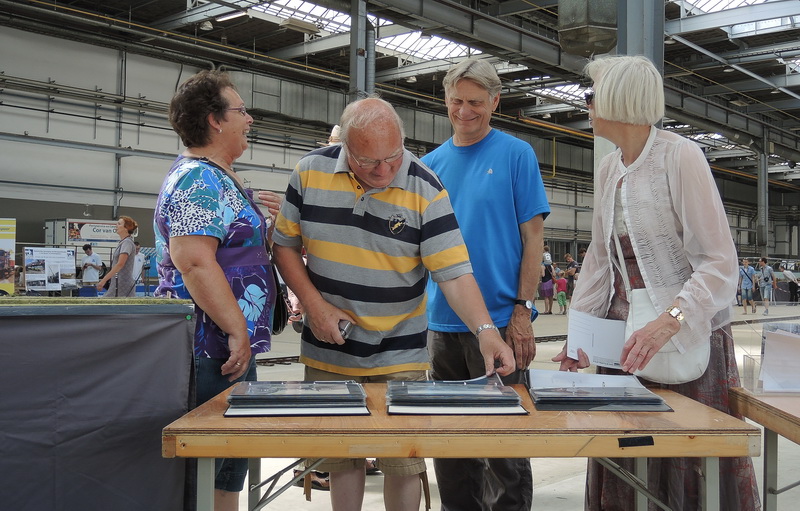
point(496, 190)
point(747, 278)
point(766, 283)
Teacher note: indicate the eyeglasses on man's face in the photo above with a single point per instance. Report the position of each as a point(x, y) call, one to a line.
point(241, 109)
point(589, 97)
point(369, 164)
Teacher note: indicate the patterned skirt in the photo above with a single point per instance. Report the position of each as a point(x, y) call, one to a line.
point(677, 481)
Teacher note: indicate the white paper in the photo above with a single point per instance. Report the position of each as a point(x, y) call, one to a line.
point(294, 411)
point(601, 339)
point(455, 410)
point(780, 365)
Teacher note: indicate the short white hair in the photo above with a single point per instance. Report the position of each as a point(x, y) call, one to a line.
point(627, 89)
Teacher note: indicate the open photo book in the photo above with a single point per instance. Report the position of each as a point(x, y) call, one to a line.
point(562, 390)
point(263, 398)
point(479, 396)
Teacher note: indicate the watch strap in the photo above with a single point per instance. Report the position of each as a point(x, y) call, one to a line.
point(524, 303)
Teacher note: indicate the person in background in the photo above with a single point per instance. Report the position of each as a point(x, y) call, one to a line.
point(138, 263)
point(656, 195)
point(91, 264)
point(561, 294)
point(120, 276)
point(766, 283)
point(789, 275)
point(210, 247)
point(571, 270)
point(747, 279)
point(546, 257)
point(485, 170)
point(376, 224)
point(546, 277)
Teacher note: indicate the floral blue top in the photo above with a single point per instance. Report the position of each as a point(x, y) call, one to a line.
point(200, 199)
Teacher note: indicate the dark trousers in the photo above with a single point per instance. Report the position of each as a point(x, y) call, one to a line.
point(476, 484)
point(792, 292)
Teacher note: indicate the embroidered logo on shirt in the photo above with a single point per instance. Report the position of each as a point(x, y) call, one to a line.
point(396, 223)
point(490, 171)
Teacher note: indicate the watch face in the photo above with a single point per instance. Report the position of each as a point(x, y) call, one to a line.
point(525, 303)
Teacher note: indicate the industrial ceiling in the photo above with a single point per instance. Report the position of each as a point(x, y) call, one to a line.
point(732, 77)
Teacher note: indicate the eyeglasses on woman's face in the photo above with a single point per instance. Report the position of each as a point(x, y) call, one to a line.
point(588, 96)
point(241, 109)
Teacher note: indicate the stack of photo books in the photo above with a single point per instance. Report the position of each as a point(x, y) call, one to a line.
point(262, 398)
point(561, 390)
point(480, 396)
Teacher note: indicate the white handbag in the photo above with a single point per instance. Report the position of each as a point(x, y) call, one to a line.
point(668, 365)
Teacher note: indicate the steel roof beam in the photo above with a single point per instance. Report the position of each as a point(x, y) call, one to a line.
point(735, 16)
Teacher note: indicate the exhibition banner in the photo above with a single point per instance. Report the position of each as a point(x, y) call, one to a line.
point(8, 238)
point(49, 269)
point(97, 230)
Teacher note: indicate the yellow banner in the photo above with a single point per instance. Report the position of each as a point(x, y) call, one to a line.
point(8, 238)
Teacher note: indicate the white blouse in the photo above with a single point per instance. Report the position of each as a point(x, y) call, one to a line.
point(679, 232)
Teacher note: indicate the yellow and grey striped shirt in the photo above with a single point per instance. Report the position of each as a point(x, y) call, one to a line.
point(369, 254)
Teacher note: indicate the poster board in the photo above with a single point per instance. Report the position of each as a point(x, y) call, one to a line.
point(50, 269)
point(77, 232)
point(8, 237)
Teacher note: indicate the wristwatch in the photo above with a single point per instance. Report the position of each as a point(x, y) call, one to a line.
point(525, 303)
point(675, 312)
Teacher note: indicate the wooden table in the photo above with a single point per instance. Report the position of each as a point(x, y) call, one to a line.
point(691, 430)
point(780, 415)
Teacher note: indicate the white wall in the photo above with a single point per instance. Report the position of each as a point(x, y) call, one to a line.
point(44, 172)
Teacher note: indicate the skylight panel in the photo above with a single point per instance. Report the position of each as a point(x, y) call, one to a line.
point(706, 6)
point(329, 20)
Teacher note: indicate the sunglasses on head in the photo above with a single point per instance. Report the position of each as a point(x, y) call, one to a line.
point(589, 97)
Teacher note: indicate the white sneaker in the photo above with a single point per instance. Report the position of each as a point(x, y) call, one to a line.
point(765, 313)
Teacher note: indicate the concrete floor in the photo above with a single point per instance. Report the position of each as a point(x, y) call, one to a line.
point(558, 483)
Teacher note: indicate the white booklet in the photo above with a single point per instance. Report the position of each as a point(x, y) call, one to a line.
point(780, 364)
point(601, 339)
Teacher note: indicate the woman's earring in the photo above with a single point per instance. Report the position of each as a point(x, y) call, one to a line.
point(220, 130)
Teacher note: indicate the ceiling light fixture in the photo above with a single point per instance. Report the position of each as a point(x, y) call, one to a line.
point(231, 16)
point(728, 69)
point(411, 79)
point(775, 91)
point(300, 26)
point(206, 26)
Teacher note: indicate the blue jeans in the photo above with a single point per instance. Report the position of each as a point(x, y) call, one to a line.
point(230, 472)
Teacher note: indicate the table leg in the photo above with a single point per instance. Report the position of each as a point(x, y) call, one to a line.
point(710, 496)
point(640, 471)
point(254, 471)
point(205, 484)
point(770, 481)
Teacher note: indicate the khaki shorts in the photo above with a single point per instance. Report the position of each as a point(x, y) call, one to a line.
point(389, 466)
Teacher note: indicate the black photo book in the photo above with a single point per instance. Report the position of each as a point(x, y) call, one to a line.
point(261, 398)
point(562, 390)
point(480, 396)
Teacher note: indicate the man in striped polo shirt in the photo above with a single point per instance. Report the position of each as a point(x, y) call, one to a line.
point(375, 223)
